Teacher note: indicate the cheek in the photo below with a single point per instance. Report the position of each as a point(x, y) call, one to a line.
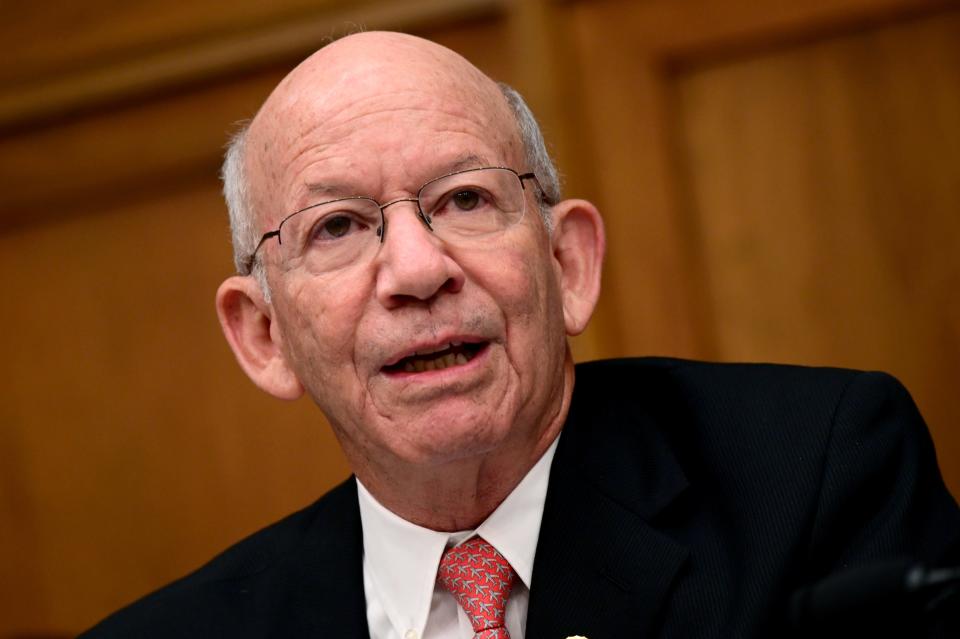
point(525, 288)
point(319, 324)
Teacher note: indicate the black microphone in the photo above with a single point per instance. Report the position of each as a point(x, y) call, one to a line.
point(894, 598)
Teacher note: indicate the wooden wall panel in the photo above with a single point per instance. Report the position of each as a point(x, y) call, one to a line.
point(626, 53)
point(102, 32)
point(135, 447)
point(123, 152)
point(824, 180)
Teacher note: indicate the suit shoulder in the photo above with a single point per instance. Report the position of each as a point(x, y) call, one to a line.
point(264, 547)
point(722, 414)
point(729, 390)
point(185, 607)
point(716, 374)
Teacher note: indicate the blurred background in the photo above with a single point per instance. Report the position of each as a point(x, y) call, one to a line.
point(780, 182)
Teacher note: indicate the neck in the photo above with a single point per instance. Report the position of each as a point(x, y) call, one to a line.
point(460, 495)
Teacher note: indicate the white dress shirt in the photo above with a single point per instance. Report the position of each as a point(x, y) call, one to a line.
point(400, 562)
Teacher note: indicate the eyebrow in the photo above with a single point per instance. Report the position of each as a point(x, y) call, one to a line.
point(467, 162)
point(331, 189)
point(336, 190)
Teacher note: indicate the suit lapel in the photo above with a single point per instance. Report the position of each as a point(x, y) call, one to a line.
point(601, 568)
point(339, 597)
point(317, 590)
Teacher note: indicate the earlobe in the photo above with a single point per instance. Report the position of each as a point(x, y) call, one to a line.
point(247, 323)
point(578, 247)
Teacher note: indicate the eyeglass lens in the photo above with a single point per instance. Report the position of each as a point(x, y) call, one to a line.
point(459, 208)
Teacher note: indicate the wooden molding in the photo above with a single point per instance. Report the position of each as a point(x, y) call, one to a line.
point(668, 28)
point(100, 86)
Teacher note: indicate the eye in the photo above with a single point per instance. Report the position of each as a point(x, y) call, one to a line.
point(331, 233)
point(465, 200)
point(336, 226)
point(461, 201)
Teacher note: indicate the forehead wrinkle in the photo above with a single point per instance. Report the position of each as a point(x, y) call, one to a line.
point(310, 146)
point(337, 189)
point(332, 189)
point(333, 108)
point(466, 115)
point(462, 115)
point(342, 102)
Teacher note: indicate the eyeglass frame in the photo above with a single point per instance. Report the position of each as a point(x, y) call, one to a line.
point(382, 230)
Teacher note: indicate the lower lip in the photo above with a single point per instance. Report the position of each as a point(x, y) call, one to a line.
point(457, 369)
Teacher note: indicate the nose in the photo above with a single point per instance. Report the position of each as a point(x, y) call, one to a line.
point(412, 264)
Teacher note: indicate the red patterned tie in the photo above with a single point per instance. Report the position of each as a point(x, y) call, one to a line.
point(480, 579)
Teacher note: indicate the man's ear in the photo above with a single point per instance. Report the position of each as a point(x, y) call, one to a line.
point(247, 322)
point(578, 245)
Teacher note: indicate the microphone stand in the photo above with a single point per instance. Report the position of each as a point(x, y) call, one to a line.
point(897, 599)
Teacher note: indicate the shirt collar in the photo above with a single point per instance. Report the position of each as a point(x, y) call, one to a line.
point(402, 558)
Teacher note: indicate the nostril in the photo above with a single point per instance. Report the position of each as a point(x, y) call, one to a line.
point(452, 285)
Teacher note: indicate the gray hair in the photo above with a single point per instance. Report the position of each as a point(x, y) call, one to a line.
point(236, 190)
point(535, 152)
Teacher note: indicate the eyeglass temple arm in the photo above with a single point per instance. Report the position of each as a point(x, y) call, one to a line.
point(533, 176)
point(248, 264)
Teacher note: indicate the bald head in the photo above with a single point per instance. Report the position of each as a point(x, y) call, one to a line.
point(371, 68)
point(372, 81)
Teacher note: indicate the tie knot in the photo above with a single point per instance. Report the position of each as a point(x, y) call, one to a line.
point(480, 579)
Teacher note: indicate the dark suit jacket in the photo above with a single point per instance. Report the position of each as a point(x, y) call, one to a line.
point(685, 500)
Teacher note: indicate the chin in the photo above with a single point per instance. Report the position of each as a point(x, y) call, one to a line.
point(441, 441)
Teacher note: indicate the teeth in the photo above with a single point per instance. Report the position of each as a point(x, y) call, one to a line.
point(431, 351)
point(436, 364)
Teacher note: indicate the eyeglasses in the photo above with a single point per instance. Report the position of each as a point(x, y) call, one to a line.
point(458, 207)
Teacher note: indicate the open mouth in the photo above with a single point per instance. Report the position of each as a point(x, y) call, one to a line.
point(452, 354)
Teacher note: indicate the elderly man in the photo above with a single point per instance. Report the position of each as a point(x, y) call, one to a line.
point(405, 258)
